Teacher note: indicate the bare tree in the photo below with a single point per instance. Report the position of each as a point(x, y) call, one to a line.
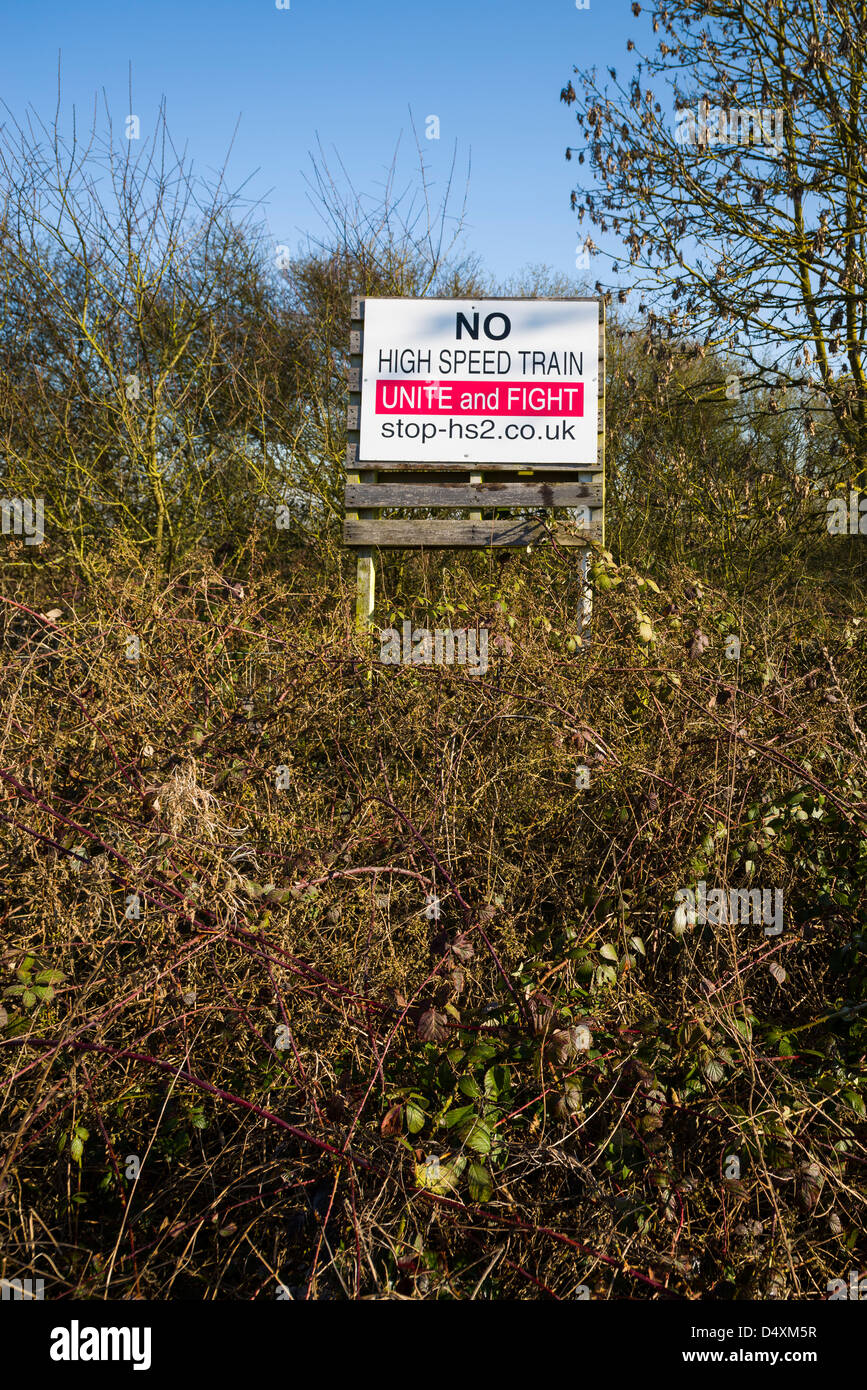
point(742, 211)
point(137, 364)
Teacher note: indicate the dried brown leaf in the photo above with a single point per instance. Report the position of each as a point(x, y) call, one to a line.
point(541, 1012)
point(699, 643)
point(432, 1027)
point(392, 1122)
point(463, 949)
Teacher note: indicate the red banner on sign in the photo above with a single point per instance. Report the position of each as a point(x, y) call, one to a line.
point(410, 396)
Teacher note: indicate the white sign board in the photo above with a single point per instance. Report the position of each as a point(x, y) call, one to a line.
point(485, 381)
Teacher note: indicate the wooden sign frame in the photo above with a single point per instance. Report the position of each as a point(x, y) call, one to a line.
point(375, 485)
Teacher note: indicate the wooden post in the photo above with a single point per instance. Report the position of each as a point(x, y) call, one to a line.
point(585, 603)
point(601, 391)
point(476, 478)
point(365, 587)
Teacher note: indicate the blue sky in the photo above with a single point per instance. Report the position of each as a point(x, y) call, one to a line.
point(346, 73)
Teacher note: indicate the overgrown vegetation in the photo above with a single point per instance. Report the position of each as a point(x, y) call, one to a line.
point(284, 993)
point(329, 979)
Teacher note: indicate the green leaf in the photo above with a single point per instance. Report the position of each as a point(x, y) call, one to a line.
point(76, 1149)
point(713, 1070)
point(415, 1117)
point(481, 1183)
point(478, 1137)
point(278, 895)
point(469, 1086)
point(440, 1179)
point(497, 1081)
point(460, 1116)
point(608, 952)
point(50, 977)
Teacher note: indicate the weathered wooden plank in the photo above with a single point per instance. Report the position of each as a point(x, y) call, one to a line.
point(352, 461)
point(436, 476)
point(394, 466)
point(444, 535)
point(488, 494)
point(352, 417)
point(356, 307)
